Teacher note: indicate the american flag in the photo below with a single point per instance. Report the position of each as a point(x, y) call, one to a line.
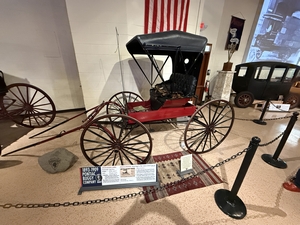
point(164, 15)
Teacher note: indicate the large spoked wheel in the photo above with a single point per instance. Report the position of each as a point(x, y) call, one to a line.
point(28, 105)
point(121, 99)
point(107, 143)
point(244, 99)
point(293, 100)
point(209, 126)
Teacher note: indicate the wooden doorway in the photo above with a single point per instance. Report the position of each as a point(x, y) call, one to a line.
point(202, 74)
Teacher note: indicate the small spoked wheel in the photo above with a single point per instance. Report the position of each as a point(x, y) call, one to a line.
point(293, 100)
point(208, 126)
point(121, 99)
point(244, 99)
point(28, 105)
point(109, 141)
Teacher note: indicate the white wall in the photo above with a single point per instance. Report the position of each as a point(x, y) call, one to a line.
point(36, 47)
point(93, 26)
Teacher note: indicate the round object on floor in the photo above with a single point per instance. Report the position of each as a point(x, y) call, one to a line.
point(59, 160)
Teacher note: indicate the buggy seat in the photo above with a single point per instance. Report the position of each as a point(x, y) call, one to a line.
point(178, 86)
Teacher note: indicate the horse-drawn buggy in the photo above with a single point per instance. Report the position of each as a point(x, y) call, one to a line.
point(120, 135)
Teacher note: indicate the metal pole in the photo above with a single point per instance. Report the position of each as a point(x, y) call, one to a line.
point(228, 201)
point(261, 119)
point(274, 160)
point(245, 165)
point(120, 60)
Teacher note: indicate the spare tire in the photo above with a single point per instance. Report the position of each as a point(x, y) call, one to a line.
point(243, 99)
point(293, 100)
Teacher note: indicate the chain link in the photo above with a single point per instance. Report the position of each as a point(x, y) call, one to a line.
point(270, 142)
point(122, 197)
point(278, 118)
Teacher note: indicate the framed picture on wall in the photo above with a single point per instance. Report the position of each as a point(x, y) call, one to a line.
point(235, 32)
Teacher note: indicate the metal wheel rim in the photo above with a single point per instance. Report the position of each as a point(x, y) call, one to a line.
point(28, 105)
point(106, 143)
point(209, 126)
point(244, 100)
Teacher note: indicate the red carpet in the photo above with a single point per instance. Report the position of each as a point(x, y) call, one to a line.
point(168, 164)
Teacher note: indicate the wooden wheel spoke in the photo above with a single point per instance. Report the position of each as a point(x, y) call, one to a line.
point(197, 134)
point(136, 149)
point(30, 102)
point(132, 138)
point(202, 116)
point(220, 113)
point(205, 143)
point(111, 152)
point(198, 140)
point(100, 136)
point(130, 153)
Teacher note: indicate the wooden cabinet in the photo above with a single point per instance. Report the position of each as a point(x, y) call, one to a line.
point(202, 73)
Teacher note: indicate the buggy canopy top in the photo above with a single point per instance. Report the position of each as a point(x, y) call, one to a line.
point(166, 43)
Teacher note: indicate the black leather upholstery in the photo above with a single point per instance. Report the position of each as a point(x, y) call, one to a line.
point(178, 86)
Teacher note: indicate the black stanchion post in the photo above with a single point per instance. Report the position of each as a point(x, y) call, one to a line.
point(261, 119)
point(228, 201)
point(274, 160)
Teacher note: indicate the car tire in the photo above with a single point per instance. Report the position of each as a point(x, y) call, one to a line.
point(293, 100)
point(243, 99)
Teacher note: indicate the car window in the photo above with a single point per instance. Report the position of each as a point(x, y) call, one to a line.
point(277, 74)
point(289, 75)
point(242, 71)
point(262, 73)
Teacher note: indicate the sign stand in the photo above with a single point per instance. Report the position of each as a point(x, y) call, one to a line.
point(186, 165)
point(113, 177)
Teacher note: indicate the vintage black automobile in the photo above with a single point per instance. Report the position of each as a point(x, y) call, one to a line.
point(264, 80)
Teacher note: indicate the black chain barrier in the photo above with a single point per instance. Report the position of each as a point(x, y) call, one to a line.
point(131, 195)
point(270, 142)
point(278, 118)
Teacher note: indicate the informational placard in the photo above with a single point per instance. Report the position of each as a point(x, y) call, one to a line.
point(186, 165)
point(279, 107)
point(186, 162)
point(108, 177)
point(90, 176)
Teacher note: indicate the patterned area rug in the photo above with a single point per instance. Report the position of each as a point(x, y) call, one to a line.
point(168, 165)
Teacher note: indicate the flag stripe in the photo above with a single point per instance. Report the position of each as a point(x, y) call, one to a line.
point(162, 21)
point(186, 14)
point(146, 16)
point(168, 15)
point(175, 14)
point(181, 15)
point(154, 17)
point(164, 15)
